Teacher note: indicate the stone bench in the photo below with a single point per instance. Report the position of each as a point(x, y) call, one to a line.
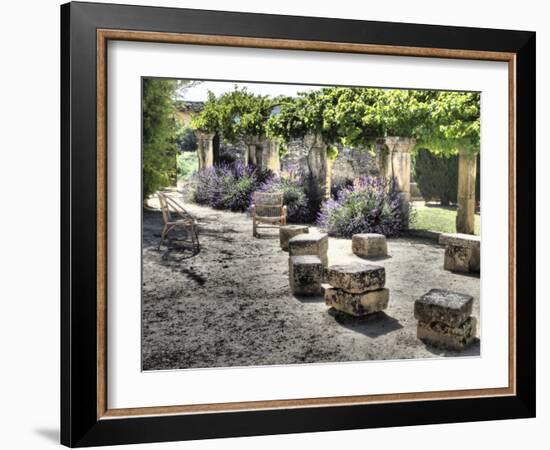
point(356, 289)
point(444, 319)
point(305, 274)
point(369, 245)
point(462, 252)
point(310, 244)
point(287, 232)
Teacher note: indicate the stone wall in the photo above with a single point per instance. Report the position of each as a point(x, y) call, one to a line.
point(349, 164)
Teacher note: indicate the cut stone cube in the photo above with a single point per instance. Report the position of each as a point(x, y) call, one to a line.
point(310, 244)
point(287, 232)
point(357, 304)
point(369, 244)
point(443, 336)
point(447, 307)
point(356, 278)
point(462, 252)
point(460, 240)
point(305, 275)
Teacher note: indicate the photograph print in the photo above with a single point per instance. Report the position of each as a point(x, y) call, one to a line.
point(297, 224)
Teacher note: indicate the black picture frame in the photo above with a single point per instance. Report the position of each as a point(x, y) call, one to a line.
point(80, 425)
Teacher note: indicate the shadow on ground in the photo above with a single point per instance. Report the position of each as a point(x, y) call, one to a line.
point(373, 325)
point(472, 350)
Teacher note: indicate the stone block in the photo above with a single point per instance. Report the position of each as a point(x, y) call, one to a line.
point(447, 307)
point(310, 244)
point(462, 252)
point(357, 304)
point(287, 232)
point(460, 240)
point(305, 275)
point(443, 336)
point(356, 278)
point(369, 244)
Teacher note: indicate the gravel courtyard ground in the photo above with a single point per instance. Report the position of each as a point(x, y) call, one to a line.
point(230, 305)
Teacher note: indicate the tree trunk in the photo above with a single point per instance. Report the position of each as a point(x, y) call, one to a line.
point(465, 216)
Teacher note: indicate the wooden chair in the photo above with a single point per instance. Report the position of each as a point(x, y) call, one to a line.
point(268, 209)
point(169, 206)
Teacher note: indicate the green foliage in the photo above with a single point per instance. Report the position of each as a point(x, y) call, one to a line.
point(454, 123)
point(159, 130)
point(308, 113)
point(436, 176)
point(209, 119)
point(185, 139)
point(236, 115)
point(440, 121)
point(187, 163)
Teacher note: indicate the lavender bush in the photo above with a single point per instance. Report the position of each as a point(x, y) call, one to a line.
point(294, 188)
point(365, 207)
point(228, 186)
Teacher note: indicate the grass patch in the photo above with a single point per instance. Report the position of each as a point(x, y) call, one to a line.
point(438, 218)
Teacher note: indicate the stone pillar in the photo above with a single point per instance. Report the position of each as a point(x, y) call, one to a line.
point(466, 196)
point(250, 157)
point(205, 149)
point(395, 164)
point(270, 156)
point(318, 163)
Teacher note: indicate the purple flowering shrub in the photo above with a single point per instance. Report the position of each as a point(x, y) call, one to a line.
point(228, 186)
point(294, 189)
point(365, 207)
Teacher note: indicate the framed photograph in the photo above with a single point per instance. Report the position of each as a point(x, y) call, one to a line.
point(277, 224)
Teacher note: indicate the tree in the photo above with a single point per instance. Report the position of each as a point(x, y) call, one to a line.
point(159, 130)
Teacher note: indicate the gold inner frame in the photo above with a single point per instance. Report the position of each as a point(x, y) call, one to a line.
point(104, 35)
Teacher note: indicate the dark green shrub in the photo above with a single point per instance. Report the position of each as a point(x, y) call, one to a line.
point(186, 139)
point(436, 176)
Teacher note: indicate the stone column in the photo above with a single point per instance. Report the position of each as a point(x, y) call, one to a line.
point(466, 196)
point(395, 164)
point(205, 149)
point(270, 156)
point(318, 163)
point(251, 154)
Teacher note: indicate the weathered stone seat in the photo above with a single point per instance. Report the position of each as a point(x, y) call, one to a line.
point(462, 252)
point(356, 278)
point(440, 335)
point(287, 232)
point(369, 244)
point(440, 305)
point(309, 244)
point(444, 319)
point(305, 274)
point(356, 304)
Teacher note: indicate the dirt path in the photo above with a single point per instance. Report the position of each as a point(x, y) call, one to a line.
point(230, 305)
